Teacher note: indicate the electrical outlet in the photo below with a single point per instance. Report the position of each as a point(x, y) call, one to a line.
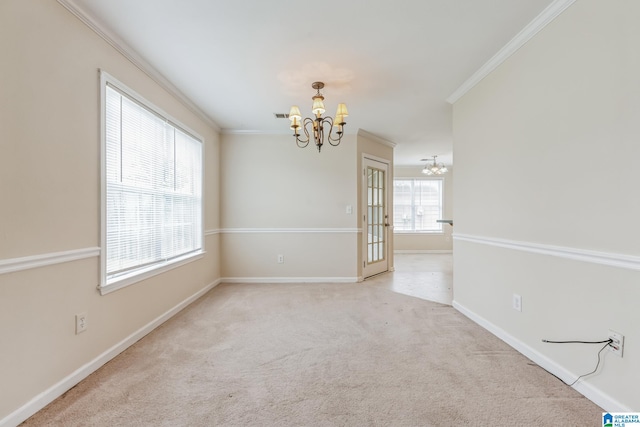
point(81, 323)
point(517, 302)
point(280, 259)
point(617, 343)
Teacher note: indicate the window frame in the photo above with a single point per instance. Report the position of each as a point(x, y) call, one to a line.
point(106, 286)
point(442, 205)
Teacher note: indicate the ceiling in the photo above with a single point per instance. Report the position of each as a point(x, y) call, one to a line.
point(394, 63)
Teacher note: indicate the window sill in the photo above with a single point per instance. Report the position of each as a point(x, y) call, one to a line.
point(139, 275)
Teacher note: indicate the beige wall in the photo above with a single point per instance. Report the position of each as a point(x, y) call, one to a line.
point(278, 198)
point(427, 242)
point(559, 121)
point(50, 182)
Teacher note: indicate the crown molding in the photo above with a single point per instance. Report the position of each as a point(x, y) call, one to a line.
point(287, 132)
point(125, 50)
point(227, 131)
point(539, 22)
point(364, 134)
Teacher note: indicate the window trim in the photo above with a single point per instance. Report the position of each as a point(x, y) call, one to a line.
point(138, 275)
point(422, 233)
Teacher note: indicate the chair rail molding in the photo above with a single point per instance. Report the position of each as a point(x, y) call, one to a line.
point(629, 262)
point(34, 261)
point(289, 230)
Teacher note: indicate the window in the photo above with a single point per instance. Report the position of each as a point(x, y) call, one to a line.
point(152, 189)
point(417, 204)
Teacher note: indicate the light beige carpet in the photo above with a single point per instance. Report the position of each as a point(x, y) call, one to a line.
point(319, 355)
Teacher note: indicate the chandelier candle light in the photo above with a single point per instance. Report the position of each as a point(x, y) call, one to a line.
point(318, 123)
point(435, 168)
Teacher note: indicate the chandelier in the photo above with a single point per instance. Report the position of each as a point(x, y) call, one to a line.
point(318, 123)
point(434, 168)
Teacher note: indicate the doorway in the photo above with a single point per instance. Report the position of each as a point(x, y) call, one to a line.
point(376, 217)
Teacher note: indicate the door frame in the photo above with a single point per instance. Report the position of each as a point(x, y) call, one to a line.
point(370, 160)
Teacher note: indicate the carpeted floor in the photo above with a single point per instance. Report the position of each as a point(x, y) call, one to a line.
point(319, 355)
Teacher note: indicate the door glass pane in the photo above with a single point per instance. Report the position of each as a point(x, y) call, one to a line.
point(375, 215)
point(375, 197)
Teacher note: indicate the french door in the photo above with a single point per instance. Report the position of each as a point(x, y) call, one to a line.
point(375, 218)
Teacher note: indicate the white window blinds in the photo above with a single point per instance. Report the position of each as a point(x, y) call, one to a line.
point(417, 204)
point(153, 173)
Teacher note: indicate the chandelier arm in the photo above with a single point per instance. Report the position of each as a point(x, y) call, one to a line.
point(304, 142)
point(329, 138)
point(301, 143)
point(337, 141)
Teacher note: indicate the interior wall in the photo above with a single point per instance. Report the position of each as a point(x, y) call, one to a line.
point(428, 242)
point(279, 199)
point(50, 186)
point(554, 217)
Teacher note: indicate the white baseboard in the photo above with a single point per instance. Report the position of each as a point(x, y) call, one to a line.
point(422, 251)
point(592, 393)
point(57, 390)
point(289, 280)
